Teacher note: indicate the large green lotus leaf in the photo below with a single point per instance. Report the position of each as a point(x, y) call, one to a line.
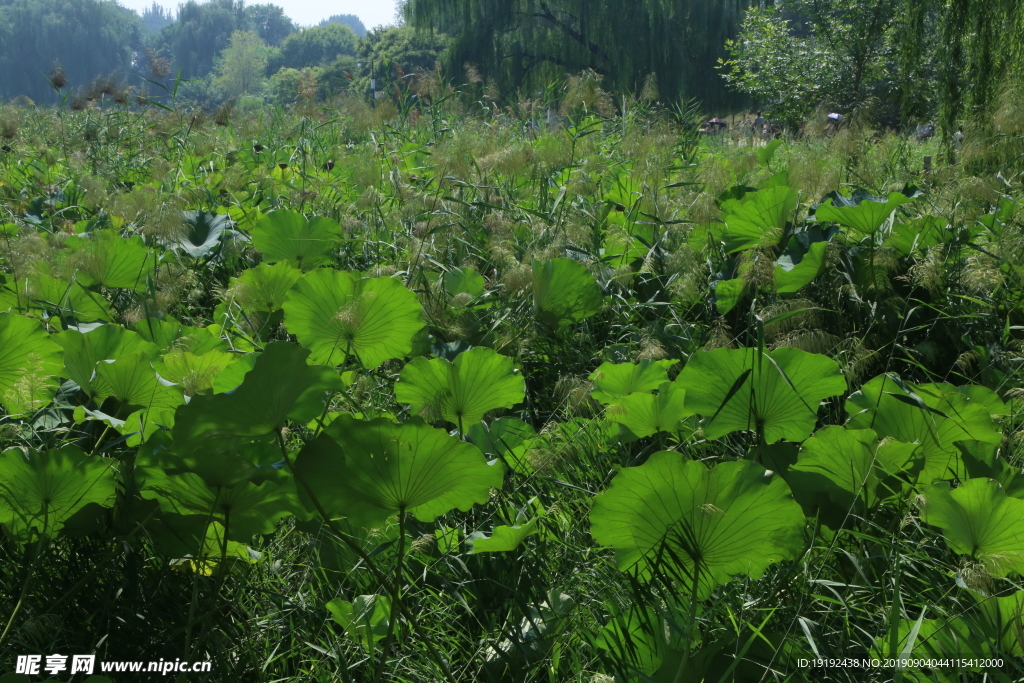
point(775, 392)
point(978, 519)
point(478, 381)
point(369, 470)
point(280, 387)
point(935, 416)
point(107, 342)
point(41, 490)
point(169, 334)
point(917, 235)
point(759, 218)
point(72, 299)
point(851, 467)
point(613, 381)
point(564, 292)
point(132, 380)
point(463, 281)
point(507, 437)
point(245, 509)
point(861, 212)
point(195, 374)
point(670, 513)
point(233, 375)
point(335, 313)
point(287, 236)
point(791, 275)
point(30, 363)
point(106, 259)
point(645, 414)
point(263, 288)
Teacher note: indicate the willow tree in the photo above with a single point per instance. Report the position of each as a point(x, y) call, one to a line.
point(527, 43)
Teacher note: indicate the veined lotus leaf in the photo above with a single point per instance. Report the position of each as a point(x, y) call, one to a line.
point(932, 415)
point(202, 234)
point(637, 638)
point(670, 513)
point(978, 519)
point(195, 374)
point(478, 381)
point(287, 236)
point(851, 467)
point(507, 437)
point(30, 363)
point(645, 414)
point(791, 275)
point(335, 313)
point(917, 234)
point(861, 212)
point(613, 381)
point(107, 342)
point(73, 299)
point(564, 292)
point(132, 380)
point(365, 620)
point(728, 293)
point(168, 333)
point(41, 490)
point(244, 510)
point(280, 387)
point(109, 260)
point(369, 470)
point(263, 288)
point(776, 393)
point(758, 219)
point(463, 281)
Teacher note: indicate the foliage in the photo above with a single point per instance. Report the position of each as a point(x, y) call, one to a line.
point(241, 67)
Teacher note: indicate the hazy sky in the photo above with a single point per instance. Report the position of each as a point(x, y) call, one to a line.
point(307, 12)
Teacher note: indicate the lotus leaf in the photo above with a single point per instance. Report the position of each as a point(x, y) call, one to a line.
point(288, 236)
point(244, 509)
point(39, 491)
point(612, 381)
point(202, 233)
point(671, 514)
point(105, 343)
point(336, 313)
point(132, 380)
point(365, 620)
point(791, 274)
point(644, 414)
point(168, 333)
point(978, 519)
point(504, 538)
point(564, 292)
point(463, 281)
point(775, 393)
point(195, 374)
point(935, 416)
point(461, 392)
point(861, 212)
point(30, 363)
point(263, 288)
point(280, 387)
point(507, 437)
point(72, 299)
point(851, 467)
point(369, 470)
point(728, 294)
point(759, 219)
point(109, 260)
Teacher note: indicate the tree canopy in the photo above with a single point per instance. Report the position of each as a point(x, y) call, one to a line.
point(87, 38)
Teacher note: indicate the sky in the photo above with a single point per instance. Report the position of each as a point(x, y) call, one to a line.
point(307, 12)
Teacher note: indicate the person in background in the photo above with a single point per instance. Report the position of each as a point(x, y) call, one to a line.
point(759, 125)
point(958, 137)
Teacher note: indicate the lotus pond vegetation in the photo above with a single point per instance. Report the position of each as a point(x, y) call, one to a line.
point(357, 394)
